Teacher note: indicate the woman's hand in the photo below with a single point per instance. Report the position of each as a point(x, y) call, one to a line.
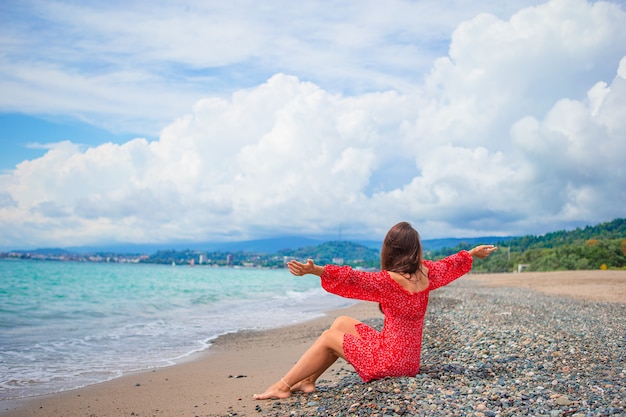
point(299, 269)
point(482, 251)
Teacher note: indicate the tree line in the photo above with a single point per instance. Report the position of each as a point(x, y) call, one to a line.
point(594, 247)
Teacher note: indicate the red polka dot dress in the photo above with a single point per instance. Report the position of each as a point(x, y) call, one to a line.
point(395, 350)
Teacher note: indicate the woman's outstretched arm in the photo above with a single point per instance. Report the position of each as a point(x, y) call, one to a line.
point(482, 251)
point(299, 269)
point(446, 270)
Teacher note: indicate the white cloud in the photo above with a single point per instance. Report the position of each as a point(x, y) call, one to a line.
point(576, 155)
point(115, 65)
point(519, 130)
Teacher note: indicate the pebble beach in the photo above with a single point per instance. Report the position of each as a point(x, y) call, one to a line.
point(493, 352)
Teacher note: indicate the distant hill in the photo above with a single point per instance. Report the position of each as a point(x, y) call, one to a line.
point(46, 251)
point(437, 244)
point(272, 245)
point(337, 252)
point(267, 246)
point(602, 246)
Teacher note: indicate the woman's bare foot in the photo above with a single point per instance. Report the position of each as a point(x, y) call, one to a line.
point(304, 386)
point(278, 390)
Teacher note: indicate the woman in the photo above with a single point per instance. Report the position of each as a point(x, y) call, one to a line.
point(401, 288)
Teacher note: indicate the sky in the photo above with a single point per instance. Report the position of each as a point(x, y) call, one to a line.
point(193, 121)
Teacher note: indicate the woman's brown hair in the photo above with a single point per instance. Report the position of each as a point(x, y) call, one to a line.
point(402, 250)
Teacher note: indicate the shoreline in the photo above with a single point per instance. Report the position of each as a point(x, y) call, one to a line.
point(216, 381)
point(222, 379)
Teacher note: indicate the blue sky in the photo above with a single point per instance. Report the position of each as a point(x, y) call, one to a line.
point(24, 136)
point(152, 122)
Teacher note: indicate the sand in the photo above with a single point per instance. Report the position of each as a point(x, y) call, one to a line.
point(221, 380)
point(607, 286)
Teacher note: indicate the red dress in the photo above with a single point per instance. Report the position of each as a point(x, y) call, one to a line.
point(395, 350)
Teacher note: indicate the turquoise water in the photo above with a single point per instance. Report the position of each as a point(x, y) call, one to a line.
point(65, 325)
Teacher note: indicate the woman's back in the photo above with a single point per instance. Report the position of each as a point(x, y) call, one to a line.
point(395, 351)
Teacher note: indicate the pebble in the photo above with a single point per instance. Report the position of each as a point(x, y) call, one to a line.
point(563, 400)
point(493, 352)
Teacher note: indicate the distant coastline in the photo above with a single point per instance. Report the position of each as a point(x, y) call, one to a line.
point(257, 253)
point(594, 247)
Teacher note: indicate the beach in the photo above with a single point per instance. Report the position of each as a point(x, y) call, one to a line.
point(495, 344)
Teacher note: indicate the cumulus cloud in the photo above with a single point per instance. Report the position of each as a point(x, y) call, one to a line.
point(520, 129)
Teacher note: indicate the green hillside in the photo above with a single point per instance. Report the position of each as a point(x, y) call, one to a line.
point(594, 247)
point(337, 252)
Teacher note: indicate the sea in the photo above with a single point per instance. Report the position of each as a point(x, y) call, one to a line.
point(65, 325)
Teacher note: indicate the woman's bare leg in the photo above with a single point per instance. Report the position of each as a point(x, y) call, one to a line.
point(315, 358)
point(343, 324)
point(323, 353)
point(308, 384)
